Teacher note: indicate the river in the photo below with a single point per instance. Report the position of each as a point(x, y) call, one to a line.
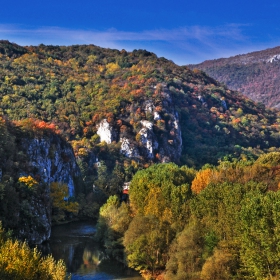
point(84, 258)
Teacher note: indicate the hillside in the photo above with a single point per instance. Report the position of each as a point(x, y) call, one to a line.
point(123, 111)
point(32, 159)
point(254, 74)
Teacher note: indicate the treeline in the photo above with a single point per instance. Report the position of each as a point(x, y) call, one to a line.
point(215, 223)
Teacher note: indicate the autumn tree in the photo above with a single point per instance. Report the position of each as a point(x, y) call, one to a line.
point(201, 180)
point(19, 262)
point(61, 204)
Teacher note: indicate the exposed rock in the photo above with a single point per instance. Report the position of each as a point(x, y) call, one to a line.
point(274, 58)
point(156, 140)
point(171, 147)
point(106, 132)
point(53, 160)
point(128, 149)
point(148, 142)
point(147, 124)
point(157, 116)
point(37, 229)
point(149, 106)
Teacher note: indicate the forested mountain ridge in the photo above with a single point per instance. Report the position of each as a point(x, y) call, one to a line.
point(122, 111)
point(147, 101)
point(254, 74)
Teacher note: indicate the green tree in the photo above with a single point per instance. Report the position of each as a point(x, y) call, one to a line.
point(114, 219)
point(146, 243)
point(185, 254)
point(260, 232)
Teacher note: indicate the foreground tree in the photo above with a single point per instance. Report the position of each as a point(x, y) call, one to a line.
point(19, 262)
point(260, 247)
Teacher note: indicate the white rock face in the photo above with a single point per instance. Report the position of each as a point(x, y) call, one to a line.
point(105, 132)
point(175, 123)
point(53, 160)
point(166, 144)
point(147, 142)
point(128, 149)
point(148, 139)
point(149, 106)
point(157, 116)
point(274, 58)
point(147, 124)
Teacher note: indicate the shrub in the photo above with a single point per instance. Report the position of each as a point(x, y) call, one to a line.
point(19, 262)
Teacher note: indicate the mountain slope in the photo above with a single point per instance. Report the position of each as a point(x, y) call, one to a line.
point(130, 108)
point(254, 74)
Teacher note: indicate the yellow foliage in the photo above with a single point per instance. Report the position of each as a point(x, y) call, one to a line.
point(59, 193)
point(112, 67)
point(82, 152)
point(19, 262)
point(201, 180)
point(155, 205)
point(28, 181)
point(218, 266)
point(134, 164)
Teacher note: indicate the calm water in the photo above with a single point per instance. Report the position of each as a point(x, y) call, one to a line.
point(84, 258)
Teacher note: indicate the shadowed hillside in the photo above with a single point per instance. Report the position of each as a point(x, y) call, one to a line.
point(254, 74)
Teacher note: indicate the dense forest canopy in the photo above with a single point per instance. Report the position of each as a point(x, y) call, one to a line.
point(180, 226)
point(73, 88)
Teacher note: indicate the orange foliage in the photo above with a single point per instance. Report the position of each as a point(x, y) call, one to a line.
point(119, 122)
point(201, 180)
point(37, 125)
point(96, 118)
point(235, 121)
point(110, 117)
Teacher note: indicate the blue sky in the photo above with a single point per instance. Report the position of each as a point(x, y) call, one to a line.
point(183, 31)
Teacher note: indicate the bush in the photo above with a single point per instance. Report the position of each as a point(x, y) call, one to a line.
point(19, 262)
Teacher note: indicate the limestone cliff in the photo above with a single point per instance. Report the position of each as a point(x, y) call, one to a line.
point(152, 131)
point(43, 156)
point(50, 159)
point(53, 160)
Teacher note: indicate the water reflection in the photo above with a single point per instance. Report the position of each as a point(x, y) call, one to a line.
point(84, 258)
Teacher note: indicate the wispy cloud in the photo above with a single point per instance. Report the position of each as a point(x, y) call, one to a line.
point(194, 42)
point(86, 36)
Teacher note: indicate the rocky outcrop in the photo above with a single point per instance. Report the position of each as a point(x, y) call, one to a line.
point(148, 140)
point(106, 132)
point(128, 149)
point(53, 160)
point(159, 134)
point(50, 159)
point(36, 227)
